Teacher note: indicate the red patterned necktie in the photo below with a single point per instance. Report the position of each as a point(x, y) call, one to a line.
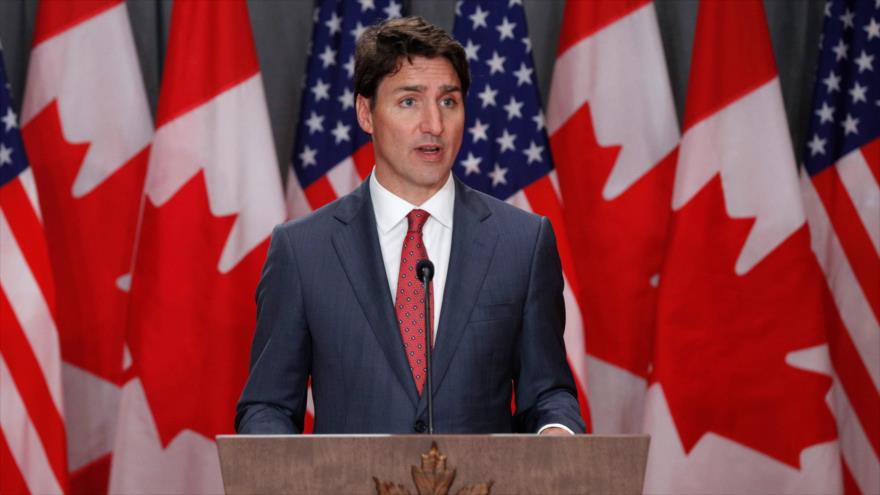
point(409, 301)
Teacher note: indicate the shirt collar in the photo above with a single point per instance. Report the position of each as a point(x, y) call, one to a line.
point(391, 210)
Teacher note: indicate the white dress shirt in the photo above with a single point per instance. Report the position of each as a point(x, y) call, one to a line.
point(391, 224)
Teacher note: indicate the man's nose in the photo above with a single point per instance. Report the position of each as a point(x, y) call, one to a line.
point(432, 121)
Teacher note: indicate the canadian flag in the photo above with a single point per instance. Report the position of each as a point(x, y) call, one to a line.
point(739, 396)
point(614, 134)
point(213, 193)
point(87, 128)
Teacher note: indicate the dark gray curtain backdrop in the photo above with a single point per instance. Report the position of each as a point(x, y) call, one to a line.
point(282, 30)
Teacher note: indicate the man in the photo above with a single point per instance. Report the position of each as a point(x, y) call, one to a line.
point(338, 301)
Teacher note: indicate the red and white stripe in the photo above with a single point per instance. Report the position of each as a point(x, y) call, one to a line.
point(842, 205)
point(33, 457)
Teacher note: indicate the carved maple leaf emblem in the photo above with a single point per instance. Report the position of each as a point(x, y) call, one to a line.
point(432, 478)
point(90, 244)
point(722, 338)
point(191, 326)
point(617, 245)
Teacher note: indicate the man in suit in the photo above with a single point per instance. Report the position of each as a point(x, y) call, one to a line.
point(338, 302)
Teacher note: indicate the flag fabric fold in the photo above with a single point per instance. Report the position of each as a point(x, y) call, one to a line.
point(212, 196)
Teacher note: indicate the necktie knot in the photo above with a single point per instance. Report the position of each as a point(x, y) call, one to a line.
point(416, 220)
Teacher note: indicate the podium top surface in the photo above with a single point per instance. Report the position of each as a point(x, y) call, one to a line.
point(358, 463)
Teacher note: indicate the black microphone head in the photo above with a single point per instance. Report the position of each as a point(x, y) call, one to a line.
point(425, 269)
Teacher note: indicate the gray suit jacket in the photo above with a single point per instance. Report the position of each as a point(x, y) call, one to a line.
point(324, 311)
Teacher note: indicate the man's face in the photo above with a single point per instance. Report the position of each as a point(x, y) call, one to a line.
point(416, 121)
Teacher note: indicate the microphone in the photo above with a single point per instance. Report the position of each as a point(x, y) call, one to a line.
point(425, 272)
point(425, 269)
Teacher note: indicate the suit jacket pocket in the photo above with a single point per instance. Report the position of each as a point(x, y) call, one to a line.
point(488, 312)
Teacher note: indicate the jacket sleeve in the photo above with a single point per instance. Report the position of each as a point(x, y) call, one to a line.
point(274, 398)
point(545, 389)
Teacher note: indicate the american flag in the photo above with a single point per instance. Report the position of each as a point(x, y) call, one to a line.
point(505, 151)
point(842, 199)
point(33, 455)
point(331, 154)
point(505, 146)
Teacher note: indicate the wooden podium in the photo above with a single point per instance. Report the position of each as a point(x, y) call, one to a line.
point(440, 464)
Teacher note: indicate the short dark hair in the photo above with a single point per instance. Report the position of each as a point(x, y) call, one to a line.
point(382, 48)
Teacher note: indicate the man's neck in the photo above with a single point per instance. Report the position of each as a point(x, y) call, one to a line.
point(411, 194)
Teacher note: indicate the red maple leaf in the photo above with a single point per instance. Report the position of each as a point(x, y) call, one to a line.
point(617, 245)
point(191, 326)
point(722, 338)
point(90, 243)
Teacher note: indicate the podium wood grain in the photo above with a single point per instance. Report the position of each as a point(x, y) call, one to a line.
point(521, 464)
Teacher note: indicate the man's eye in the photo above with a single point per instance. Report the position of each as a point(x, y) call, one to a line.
point(407, 102)
point(448, 102)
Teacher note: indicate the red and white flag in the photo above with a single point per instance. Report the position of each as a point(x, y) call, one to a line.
point(739, 395)
point(614, 132)
point(87, 127)
point(212, 196)
point(33, 456)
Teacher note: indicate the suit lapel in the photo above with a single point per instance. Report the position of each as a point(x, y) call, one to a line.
point(357, 246)
point(473, 245)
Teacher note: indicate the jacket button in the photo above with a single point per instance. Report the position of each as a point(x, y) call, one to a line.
point(420, 426)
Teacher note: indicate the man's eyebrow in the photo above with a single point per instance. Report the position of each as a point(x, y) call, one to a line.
point(419, 88)
point(416, 88)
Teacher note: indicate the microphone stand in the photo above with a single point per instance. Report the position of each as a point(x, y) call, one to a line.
point(425, 270)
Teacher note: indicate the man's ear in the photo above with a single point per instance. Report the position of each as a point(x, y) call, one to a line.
point(364, 115)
